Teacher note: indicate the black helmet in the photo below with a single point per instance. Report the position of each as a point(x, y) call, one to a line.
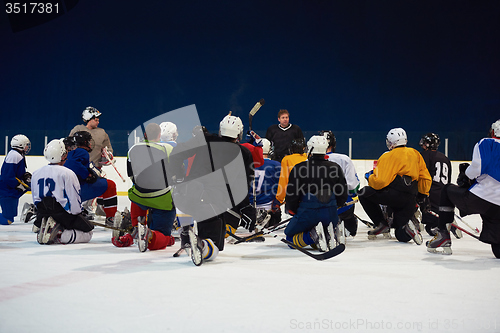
point(331, 139)
point(84, 139)
point(430, 141)
point(298, 146)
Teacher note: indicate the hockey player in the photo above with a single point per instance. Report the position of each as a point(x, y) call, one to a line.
point(478, 192)
point(92, 186)
point(296, 155)
point(316, 188)
point(266, 185)
point(439, 167)
point(56, 195)
point(203, 191)
point(14, 180)
point(399, 181)
point(100, 138)
point(346, 214)
point(282, 135)
point(152, 209)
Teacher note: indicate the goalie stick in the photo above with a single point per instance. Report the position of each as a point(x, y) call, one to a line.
point(106, 154)
point(254, 110)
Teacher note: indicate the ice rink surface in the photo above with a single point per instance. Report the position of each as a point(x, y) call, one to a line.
point(374, 286)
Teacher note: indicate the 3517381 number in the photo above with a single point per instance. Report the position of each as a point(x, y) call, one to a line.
point(31, 8)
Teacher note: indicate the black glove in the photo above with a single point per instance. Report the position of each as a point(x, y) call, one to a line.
point(27, 178)
point(462, 179)
point(424, 203)
point(248, 218)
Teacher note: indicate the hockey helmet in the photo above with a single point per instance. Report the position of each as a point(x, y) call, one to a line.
point(168, 131)
point(266, 146)
point(84, 140)
point(317, 144)
point(495, 129)
point(297, 146)
point(395, 138)
point(90, 113)
point(430, 141)
point(330, 137)
point(21, 142)
point(55, 151)
point(231, 127)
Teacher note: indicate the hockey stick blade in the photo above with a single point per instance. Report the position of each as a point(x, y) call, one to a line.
point(109, 227)
point(254, 110)
point(463, 230)
point(322, 256)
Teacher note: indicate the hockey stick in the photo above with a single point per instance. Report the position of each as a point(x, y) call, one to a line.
point(106, 154)
point(322, 256)
point(254, 110)
point(456, 226)
point(467, 224)
point(109, 227)
point(24, 184)
point(367, 223)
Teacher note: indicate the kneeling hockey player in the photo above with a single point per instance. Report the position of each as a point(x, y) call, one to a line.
point(478, 192)
point(56, 195)
point(316, 188)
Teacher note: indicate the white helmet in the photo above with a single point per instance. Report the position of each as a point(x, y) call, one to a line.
point(90, 113)
point(54, 151)
point(395, 138)
point(168, 131)
point(21, 142)
point(317, 144)
point(231, 127)
point(495, 129)
point(266, 146)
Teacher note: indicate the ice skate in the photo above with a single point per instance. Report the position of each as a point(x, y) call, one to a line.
point(262, 219)
point(413, 231)
point(117, 223)
point(441, 243)
point(382, 229)
point(28, 212)
point(340, 233)
point(318, 236)
point(196, 247)
point(417, 223)
point(49, 231)
point(144, 235)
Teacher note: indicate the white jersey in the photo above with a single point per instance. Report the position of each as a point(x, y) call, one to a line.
point(347, 166)
point(59, 182)
point(485, 169)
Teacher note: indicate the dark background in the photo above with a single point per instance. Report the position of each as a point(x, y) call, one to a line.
point(358, 68)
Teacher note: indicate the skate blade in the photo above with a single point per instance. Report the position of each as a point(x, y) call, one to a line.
point(386, 235)
point(141, 241)
point(446, 250)
point(418, 239)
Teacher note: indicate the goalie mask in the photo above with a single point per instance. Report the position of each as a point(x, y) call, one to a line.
point(83, 139)
point(231, 127)
point(90, 113)
point(430, 141)
point(395, 138)
point(21, 142)
point(55, 151)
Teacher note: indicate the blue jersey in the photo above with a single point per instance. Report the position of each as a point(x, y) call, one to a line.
point(266, 182)
point(78, 162)
point(14, 166)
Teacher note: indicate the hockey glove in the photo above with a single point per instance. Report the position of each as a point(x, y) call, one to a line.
point(368, 174)
point(22, 187)
point(248, 217)
point(423, 203)
point(254, 139)
point(462, 179)
point(276, 205)
point(27, 178)
point(123, 241)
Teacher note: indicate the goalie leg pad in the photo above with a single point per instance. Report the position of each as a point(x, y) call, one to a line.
point(210, 251)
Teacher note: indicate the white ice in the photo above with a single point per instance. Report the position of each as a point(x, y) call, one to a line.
point(379, 286)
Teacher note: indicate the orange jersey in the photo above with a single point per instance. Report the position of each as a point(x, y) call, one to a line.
point(287, 163)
